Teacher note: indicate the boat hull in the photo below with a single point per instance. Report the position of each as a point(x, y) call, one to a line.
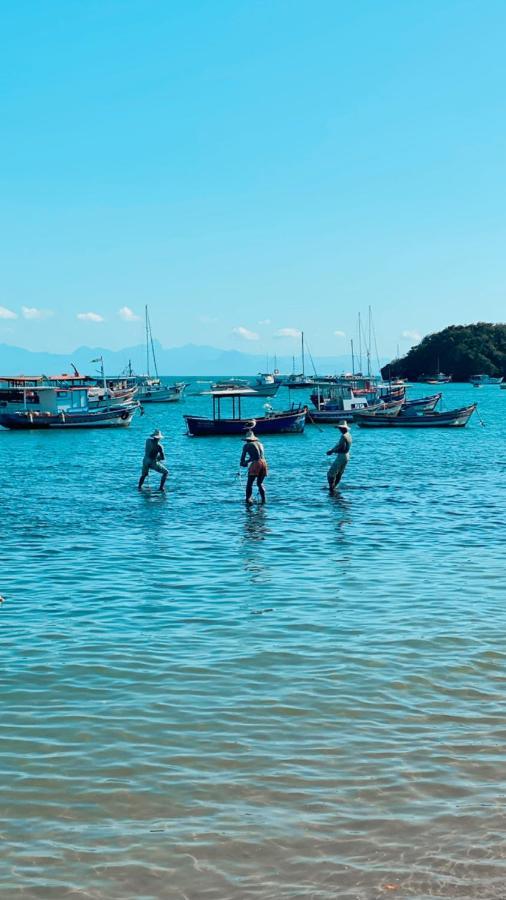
point(480, 380)
point(164, 394)
point(331, 416)
point(455, 418)
point(29, 421)
point(265, 390)
point(277, 423)
point(413, 407)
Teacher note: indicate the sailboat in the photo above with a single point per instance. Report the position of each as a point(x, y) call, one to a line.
point(300, 379)
point(151, 388)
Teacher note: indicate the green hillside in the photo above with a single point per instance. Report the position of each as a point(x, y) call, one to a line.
point(459, 351)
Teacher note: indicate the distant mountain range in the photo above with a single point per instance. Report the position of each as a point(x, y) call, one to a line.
point(187, 360)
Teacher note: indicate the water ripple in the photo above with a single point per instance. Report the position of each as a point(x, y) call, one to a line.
point(304, 700)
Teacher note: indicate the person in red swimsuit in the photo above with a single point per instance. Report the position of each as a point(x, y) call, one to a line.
point(253, 455)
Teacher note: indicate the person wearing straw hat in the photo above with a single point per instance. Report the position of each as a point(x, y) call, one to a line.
point(153, 453)
point(253, 455)
point(342, 452)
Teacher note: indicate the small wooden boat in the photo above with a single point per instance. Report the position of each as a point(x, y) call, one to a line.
point(439, 378)
point(329, 415)
point(290, 421)
point(454, 418)
point(421, 404)
point(265, 385)
point(153, 390)
point(116, 416)
point(480, 380)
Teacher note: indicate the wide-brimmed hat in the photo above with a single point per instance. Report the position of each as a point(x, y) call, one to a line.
point(249, 436)
point(157, 434)
point(343, 426)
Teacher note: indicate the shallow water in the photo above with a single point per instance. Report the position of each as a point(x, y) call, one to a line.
point(306, 700)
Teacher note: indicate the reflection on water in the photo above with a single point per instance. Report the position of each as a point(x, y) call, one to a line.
point(302, 700)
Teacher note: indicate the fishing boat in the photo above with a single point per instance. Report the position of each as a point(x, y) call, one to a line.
point(421, 404)
point(328, 415)
point(291, 421)
point(152, 390)
point(299, 380)
point(151, 387)
point(265, 385)
point(454, 418)
point(21, 391)
point(438, 378)
point(55, 407)
point(480, 380)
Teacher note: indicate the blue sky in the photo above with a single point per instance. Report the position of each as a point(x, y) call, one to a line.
point(250, 169)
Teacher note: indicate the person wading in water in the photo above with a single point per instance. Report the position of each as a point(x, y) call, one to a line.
point(253, 453)
point(342, 451)
point(153, 453)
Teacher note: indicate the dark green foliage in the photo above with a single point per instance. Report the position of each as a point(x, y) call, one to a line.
point(459, 351)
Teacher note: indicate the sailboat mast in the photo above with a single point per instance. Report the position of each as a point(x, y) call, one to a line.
point(352, 358)
point(153, 350)
point(147, 341)
point(359, 344)
point(302, 344)
point(370, 343)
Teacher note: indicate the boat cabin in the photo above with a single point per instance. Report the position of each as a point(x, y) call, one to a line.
point(235, 396)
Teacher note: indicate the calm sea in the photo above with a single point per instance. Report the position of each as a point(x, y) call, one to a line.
point(306, 700)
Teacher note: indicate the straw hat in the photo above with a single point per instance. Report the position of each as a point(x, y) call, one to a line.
point(157, 434)
point(249, 436)
point(343, 426)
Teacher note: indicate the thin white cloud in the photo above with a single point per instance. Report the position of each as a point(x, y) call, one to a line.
point(264, 322)
point(128, 314)
point(7, 313)
point(412, 336)
point(245, 333)
point(31, 312)
point(288, 333)
point(340, 333)
point(90, 317)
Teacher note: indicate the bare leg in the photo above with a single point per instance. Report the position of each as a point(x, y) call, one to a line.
point(261, 489)
point(142, 479)
point(340, 475)
point(162, 482)
point(332, 483)
point(249, 488)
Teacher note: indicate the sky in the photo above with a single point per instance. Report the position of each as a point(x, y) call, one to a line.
point(250, 170)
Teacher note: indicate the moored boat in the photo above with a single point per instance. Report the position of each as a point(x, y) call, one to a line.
point(265, 385)
point(153, 390)
point(420, 404)
point(67, 408)
point(454, 418)
point(291, 421)
point(330, 415)
point(480, 380)
point(439, 378)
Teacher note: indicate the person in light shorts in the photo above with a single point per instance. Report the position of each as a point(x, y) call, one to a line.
point(342, 451)
point(153, 453)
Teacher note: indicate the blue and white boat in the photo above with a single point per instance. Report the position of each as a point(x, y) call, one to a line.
point(480, 380)
point(65, 407)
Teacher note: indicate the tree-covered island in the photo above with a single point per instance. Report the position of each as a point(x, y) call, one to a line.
point(459, 350)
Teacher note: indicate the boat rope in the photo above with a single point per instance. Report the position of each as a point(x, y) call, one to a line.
point(308, 414)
